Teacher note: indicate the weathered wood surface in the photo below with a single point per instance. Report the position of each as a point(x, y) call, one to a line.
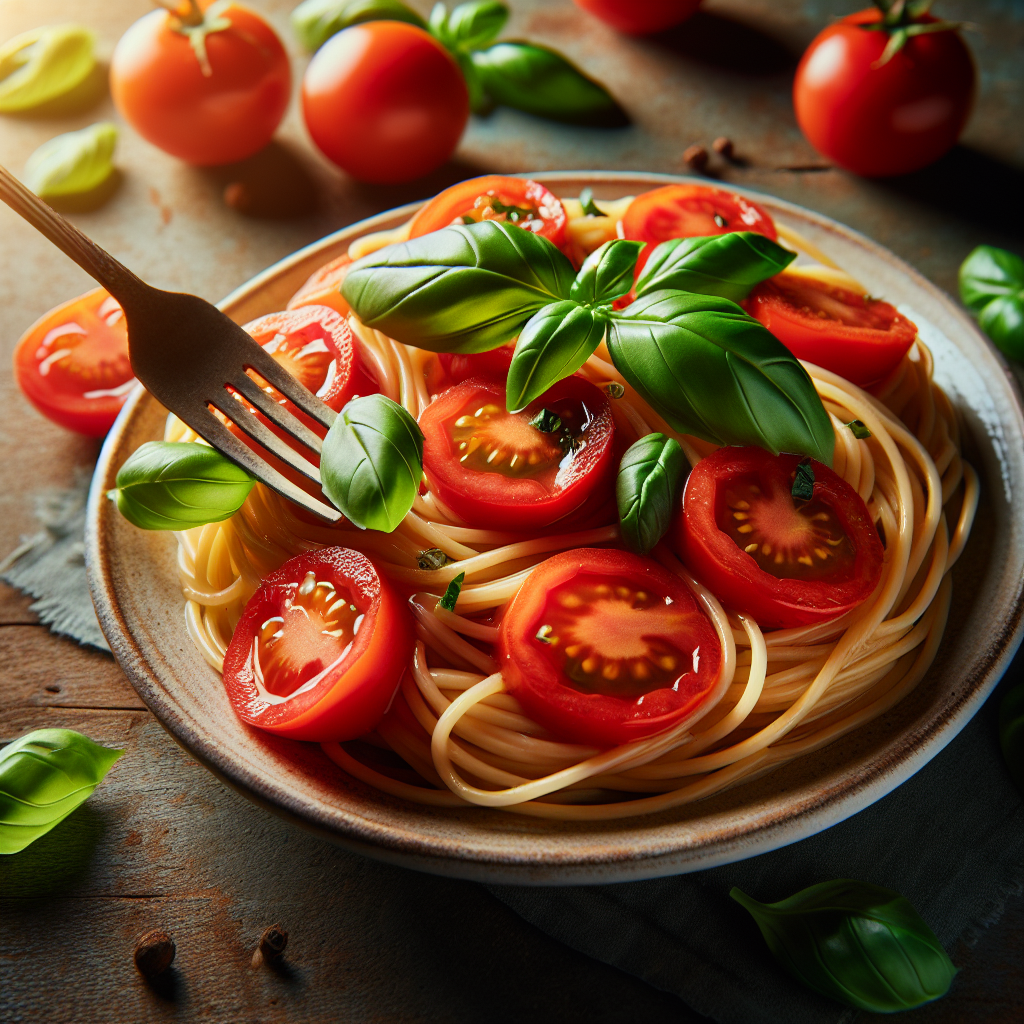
point(162, 844)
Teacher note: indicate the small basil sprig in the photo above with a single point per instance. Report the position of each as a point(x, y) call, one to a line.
point(315, 21)
point(44, 776)
point(372, 462)
point(672, 345)
point(728, 265)
point(648, 490)
point(74, 163)
point(173, 485)
point(607, 273)
point(855, 942)
point(992, 285)
point(465, 288)
point(44, 63)
point(450, 597)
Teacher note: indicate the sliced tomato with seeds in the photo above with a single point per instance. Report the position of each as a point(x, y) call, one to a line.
point(323, 287)
point(605, 647)
point(320, 649)
point(499, 469)
point(860, 338)
point(519, 201)
point(784, 561)
point(72, 364)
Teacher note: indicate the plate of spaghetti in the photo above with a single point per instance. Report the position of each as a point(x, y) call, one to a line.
point(663, 525)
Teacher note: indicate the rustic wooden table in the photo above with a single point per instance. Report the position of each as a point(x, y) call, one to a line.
point(162, 844)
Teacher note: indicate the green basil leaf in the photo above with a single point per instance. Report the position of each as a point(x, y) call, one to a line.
point(859, 430)
point(727, 265)
point(40, 65)
point(1011, 732)
point(465, 288)
point(44, 776)
point(990, 273)
point(590, 208)
point(74, 163)
point(540, 81)
point(173, 485)
point(711, 370)
point(855, 942)
point(648, 490)
point(555, 343)
point(803, 482)
point(451, 594)
point(1002, 320)
point(315, 21)
point(473, 25)
point(372, 462)
point(607, 273)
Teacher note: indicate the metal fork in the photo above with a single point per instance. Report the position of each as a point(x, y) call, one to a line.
point(187, 354)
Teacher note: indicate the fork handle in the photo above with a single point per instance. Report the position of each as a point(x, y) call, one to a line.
point(97, 262)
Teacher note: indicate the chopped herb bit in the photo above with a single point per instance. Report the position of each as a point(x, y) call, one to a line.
point(614, 389)
point(544, 634)
point(590, 208)
point(546, 421)
point(466, 219)
point(514, 213)
point(859, 430)
point(721, 221)
point(803, 481)
point(451, 595)
point(432, 558)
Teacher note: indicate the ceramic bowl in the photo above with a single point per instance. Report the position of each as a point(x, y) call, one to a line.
point(137, 596)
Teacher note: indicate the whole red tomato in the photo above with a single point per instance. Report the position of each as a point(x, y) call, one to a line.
point(385, 101)
point(209, 87)
point(879, 118)
point(638, 17)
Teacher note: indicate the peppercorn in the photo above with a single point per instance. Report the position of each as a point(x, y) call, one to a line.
point(723, 147)
point(696, 157)
point(272, 944)
point(154, 953)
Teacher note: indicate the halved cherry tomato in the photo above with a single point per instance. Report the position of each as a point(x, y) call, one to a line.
point(762, 552)
point(323, 287)
point(605, 647)
point(320, 648)
point(494, 197)
point(493, 363)
point(72, 363)
point(494, 468)
point(856, 336)
point(688, 211)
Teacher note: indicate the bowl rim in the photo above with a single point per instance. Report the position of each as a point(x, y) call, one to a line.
point(798, 820)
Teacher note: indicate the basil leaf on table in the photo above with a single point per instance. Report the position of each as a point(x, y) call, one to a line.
point(74, 163)
point(470, 25)
point(372, 462)
point(727, 265)
point(856, 942)
point(607, 273)
point(174, 485)
point(992, 285)
point(540, 81)
point(465, 288)
point(44, 776)
point(711, 370)
point(44, 63)
point(555, 343)
point(315, 21)
point(648, 490)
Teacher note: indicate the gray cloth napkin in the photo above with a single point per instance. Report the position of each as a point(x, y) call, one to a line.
point(951, 840)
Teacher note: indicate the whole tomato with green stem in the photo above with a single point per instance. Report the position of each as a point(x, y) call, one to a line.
point(887, 90)
point(207, 83)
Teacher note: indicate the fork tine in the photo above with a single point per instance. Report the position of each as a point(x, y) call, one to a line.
point(204, 423)
point(275, 374)
point(239, 414)
point(275, 412)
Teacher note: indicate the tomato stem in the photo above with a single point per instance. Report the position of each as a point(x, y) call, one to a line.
point(900, 19)
point(196, 25)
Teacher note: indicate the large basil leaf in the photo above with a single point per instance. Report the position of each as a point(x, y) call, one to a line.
point(372, 462)
point(73, 163)
point(607, 273)
point(555, 342)
point(44, 63)
point(315, 21)
point(540, 81)
point(648, 490)
point(173, 485)
point(44, 776)
point(992, 284)
point(711, 370)
point(855, 942)
point(470, 25)
point(728, 265)
point(465, 288)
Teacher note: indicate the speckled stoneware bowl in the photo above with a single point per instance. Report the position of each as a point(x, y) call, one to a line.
point(136, 592)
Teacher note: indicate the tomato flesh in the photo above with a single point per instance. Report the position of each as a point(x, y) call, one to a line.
point(320, 648)
point(605, 647)
point(494, 363)
point(72, 364)
point(496, 469)
point(323, 287)
point(784, 561)
point(860, 338)
point(519, 201)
